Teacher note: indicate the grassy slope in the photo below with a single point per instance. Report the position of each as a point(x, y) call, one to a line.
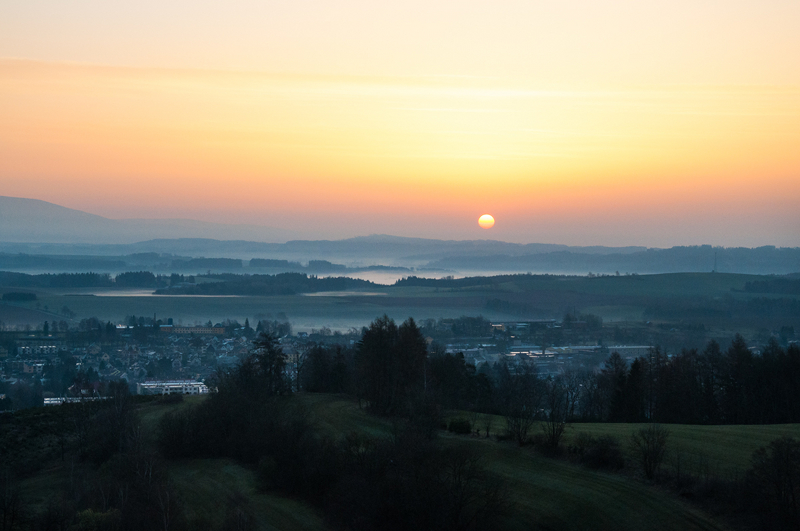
point(553, 494)
point(207, 484)
point(723, 451)
point(545, 493)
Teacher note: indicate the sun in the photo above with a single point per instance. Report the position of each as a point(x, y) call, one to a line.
point(486, 221)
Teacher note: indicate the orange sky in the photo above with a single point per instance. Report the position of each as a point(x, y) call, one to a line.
point(637, 124)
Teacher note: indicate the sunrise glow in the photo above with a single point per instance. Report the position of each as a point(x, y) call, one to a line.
point(640, 143)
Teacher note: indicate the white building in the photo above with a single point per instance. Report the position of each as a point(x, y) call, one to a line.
point(171, 387)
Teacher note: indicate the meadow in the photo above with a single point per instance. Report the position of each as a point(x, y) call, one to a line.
point(719, 451)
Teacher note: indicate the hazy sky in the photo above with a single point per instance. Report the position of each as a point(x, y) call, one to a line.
point(580, 122)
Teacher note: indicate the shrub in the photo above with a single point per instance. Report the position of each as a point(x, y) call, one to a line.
point(460, 426)
point(775, 475)
point(649, 445)
point(598, 452)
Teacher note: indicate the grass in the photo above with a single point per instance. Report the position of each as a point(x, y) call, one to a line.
point(554, 494)
point(339, 415)
point(208, 486)
point(544, 493)
point(304, 312)
point(720, 451)
point(153, 409)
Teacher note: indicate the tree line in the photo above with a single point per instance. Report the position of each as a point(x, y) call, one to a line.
point(712, 386)
point(392, 369)
point(280, 284)
point(129, 279)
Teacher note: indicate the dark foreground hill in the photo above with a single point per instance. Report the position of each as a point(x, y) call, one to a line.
point(58, 476)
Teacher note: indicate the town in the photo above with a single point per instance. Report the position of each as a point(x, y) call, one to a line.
point(46, 367)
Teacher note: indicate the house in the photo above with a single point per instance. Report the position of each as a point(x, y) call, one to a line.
point(171, 387)
point(32, 366)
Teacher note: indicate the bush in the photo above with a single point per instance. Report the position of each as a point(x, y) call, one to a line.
point(598, 452)
point(775, 475)
point(460, 426)
point(649, 445)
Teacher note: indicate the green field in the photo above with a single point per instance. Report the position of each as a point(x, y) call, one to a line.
point(206, 485)
point(338, 313)
point(703, 451)
point(720, 451)
point(548, 493)
point(552, 494)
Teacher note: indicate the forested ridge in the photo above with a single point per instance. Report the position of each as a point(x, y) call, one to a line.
point(280, 284)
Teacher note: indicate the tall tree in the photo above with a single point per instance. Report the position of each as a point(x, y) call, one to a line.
point(412, 356)
point(634, 394)
point(270, 365)
point(375, 363)
point(391, 365)
point(612, 383)
point(740, 369)
point(556, 404)
point(711, 371)
point(520, 396)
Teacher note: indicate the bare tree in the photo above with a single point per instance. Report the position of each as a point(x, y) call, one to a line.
point(166, 508)
point(650, 445)
point(11, 508)
point(297, 360)
point(572, 380)
point(521, 399)
point(775, 474)
point(557, 403)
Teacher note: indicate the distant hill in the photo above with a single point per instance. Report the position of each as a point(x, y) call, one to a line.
point(37, 228)
point(63, 230)
point(700, 258)
point(196, 255)
point(35, 221)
